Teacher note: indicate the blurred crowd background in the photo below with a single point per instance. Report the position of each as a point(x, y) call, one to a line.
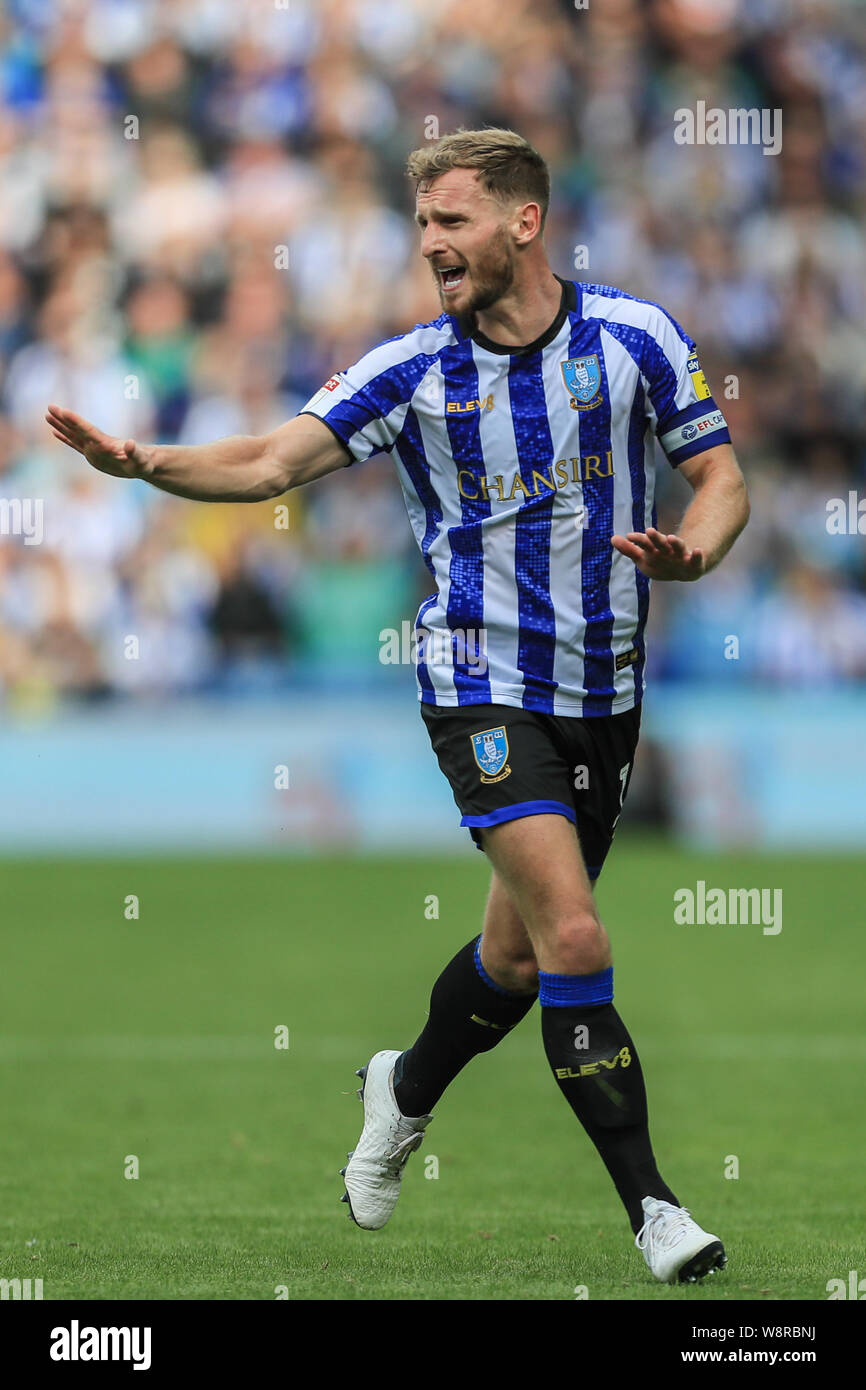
point(204, 214)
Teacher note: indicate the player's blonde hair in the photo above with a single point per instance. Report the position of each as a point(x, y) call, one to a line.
point(509, 169)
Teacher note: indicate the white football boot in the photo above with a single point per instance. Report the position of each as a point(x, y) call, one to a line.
point(375, 1168)
point(674, 1246)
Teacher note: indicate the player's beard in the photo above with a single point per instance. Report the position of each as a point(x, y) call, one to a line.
point(492, 276)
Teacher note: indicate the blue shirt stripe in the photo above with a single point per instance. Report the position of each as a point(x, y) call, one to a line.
point(535, 616)
point(465, 610)
point(637, 430)
point(597, 554)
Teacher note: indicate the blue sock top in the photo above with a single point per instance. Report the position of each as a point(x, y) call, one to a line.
point(567, 991)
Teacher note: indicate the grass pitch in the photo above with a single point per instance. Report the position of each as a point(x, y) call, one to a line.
point(147, 1044)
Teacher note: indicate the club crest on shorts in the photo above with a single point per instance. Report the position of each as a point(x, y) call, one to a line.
point(582, 376)
point(490, 750)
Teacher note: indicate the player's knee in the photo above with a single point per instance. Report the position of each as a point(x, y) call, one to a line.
point(515, 970)
point(579, 943)
point(521, 972)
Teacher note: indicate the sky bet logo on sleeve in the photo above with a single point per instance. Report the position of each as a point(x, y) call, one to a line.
point(582, 376)
point(698, 380)
point(491, 754)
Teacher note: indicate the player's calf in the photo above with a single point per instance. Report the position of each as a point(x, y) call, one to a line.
point(470, 1013)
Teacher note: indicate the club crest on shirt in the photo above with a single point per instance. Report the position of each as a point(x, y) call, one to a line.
point(582, 376)
point(490, 750)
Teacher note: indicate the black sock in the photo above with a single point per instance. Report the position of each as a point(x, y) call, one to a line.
point(469, 1014)
point(604, 1086)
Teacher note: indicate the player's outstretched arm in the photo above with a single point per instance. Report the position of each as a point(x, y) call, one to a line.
point(715, 517)
point(241, 468)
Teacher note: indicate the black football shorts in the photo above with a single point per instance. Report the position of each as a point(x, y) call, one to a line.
point(504, 763)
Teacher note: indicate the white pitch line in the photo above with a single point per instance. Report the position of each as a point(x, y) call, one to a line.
point(310, 1047)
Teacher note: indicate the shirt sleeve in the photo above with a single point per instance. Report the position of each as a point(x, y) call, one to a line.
point(683, 414)
point(365, 406)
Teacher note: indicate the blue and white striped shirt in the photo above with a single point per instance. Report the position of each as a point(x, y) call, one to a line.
point(517, 466)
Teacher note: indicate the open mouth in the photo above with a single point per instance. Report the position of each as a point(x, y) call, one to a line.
point(451, 277)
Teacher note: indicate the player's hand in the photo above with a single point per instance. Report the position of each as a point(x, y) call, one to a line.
point(122, 458)
point(659, 556)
